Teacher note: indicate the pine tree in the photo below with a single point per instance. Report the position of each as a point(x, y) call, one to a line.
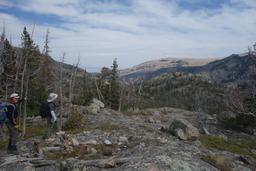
point(8, 64)
point(104, 85)
point(114, 87)
point(30, 62)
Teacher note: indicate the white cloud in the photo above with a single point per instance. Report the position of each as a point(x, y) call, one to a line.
point(64, 8)
point(141, 30)
point(5, 3)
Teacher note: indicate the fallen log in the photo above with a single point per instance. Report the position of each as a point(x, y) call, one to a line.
point(107, 163)
point(18, 159)
point(52, 149)
point(41, 163)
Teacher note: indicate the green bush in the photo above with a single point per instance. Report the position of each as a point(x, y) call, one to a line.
point(238, 146)
point(75, 122)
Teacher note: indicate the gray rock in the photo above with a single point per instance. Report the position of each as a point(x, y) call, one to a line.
point(151, 120)
point(107, 142)
point(93, 150)
point(123, 139)
point(180, 134)
point(74, 142)
point(95, 106)
point(153, 167)
point(183, 130)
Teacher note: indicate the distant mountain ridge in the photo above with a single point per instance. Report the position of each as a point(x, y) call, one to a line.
point(155, 65)
point(227, 70)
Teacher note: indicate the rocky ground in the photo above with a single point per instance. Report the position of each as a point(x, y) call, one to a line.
point(130, 141)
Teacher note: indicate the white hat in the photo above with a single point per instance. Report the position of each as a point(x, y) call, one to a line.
point(52, 97)
point(14, 95)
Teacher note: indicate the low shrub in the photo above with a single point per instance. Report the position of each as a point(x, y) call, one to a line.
point(238, 146)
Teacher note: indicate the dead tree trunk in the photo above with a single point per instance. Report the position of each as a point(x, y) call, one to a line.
point(60, 90)
point(18, 68)
point(71, 85)
point(22, 88)
point(100, 96)
point(25, 109)
point(120, 100)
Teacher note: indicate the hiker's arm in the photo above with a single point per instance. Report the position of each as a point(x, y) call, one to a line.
point(52, 108)
point(54, 118)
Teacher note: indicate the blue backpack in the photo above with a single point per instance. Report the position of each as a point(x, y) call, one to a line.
point(3, 112)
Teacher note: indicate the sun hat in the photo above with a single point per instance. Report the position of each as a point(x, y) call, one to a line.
point(14, 95)
point(52, 97)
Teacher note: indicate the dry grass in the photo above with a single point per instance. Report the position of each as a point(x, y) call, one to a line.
point(219, 162)
point(83, 152)
point(108, 127)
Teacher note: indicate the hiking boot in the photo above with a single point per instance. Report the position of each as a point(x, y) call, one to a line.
point(60, 132)
point(12, 150)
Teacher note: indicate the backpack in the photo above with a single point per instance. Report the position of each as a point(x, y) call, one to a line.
point(45, 110)
point(3, 112)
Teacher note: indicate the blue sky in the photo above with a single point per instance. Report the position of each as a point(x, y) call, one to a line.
point(133, 31)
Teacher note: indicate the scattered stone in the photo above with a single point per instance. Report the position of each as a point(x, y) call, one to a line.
point(206, 131)
point(107, 163)
point(123, 139)
point(74, 142)
point(162, 140)
point(95, 106)
point(98, 103)
point(93, 150)
point(107, 142)
point(183, 130)
point(142, 144)
point(158, 122)
point(151, 120)
point(180, 134)
point(153, 167)
point(155, 150)
point(245, 160)
point(156, 113)
point(90, 142)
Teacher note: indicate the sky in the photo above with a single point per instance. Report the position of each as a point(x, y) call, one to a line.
point(132, 31)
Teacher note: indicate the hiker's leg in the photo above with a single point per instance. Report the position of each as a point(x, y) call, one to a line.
point(1, 131)
point(13, 134)
point(58, 125)
point(49, 128)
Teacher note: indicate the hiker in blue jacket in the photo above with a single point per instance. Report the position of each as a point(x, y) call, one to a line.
point(1, 127)
point(11, 123)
